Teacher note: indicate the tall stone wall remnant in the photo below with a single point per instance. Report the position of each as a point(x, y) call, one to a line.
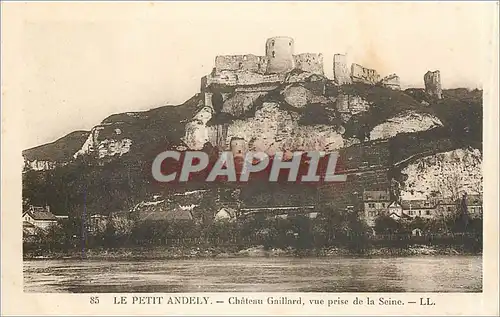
point(250, 63)
point(360, 74)
point(340, 72)
point(432, 80)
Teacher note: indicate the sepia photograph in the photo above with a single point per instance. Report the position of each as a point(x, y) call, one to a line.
point(292, 148)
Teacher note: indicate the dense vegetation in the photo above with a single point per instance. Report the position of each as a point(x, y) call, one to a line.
point(330, 228)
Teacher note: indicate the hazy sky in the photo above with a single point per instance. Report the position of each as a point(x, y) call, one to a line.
point(69, 65)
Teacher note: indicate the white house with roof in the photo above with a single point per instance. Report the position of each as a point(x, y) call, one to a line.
point(474, 205)
point(39, 217)
point(419, 208)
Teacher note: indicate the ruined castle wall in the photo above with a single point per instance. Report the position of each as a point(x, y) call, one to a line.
point(391, 81)
point(247, 78)
point(250, 63)
point(242, 78)
point(225, 77)
point(360, 74)
point(309, 62)
point(340, 72)
point(279, 51)
point(208, 99)
point(432, 82)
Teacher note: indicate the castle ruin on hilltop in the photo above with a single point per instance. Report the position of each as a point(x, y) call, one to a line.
point(251, 73)
point(237, 82)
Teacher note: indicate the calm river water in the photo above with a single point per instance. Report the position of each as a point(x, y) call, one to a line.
point(404, 274)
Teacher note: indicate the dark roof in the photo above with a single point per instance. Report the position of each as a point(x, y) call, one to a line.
point(446, 201)
point(39, 214)
point(472, 200)
point(417, 204)
point(375, 195)
point(28, 225)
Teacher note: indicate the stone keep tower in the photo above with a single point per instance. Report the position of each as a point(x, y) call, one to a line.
point(238, 147)
point(432, 82)
point(279, 53)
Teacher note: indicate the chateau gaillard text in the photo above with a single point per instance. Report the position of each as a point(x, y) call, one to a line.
point(329, 301)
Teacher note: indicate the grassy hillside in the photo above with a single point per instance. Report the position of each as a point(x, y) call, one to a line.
point(147, 129)
point(60, 150)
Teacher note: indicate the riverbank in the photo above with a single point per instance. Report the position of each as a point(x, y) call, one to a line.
point(229, 252)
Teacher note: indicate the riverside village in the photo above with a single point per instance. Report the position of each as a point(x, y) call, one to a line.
point(412, 157)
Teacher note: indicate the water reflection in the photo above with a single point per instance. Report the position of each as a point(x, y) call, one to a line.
point(405, 274)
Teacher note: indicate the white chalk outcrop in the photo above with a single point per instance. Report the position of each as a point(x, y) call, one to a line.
point(448, 173)
point(408, 121)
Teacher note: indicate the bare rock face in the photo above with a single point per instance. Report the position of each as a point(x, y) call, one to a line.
point(105, 146)
point(408, 121)
point(41, 165)
point(271, 129)
point(241, 102)
point(197, 132)
point(112, 147)
point(432, 82)
point(302, 76)
point(351, 105)
point(299, 96)
point(447, 173)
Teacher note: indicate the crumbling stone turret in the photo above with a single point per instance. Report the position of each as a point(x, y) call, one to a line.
point(432, 80)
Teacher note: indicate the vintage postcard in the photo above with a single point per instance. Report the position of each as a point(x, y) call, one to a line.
point(235, 158)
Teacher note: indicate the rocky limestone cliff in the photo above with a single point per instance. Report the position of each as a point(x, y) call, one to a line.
point(40, 165)
point(298, 96)
point(104, 147)
point(407, 121)
point(271, 129)
point(304, 113)
point(446, 174)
